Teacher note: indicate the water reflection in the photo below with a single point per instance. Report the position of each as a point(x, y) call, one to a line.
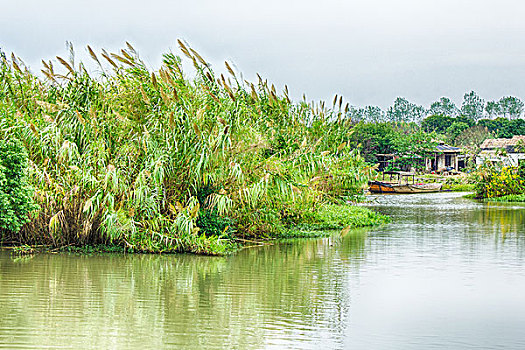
point(276, 295)
point(448, 272)
point(453, 217)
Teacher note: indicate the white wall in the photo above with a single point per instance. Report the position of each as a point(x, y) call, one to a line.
point(511, 159)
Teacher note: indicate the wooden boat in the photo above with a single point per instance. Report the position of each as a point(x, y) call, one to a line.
point(380, 187)
point(400, 187)
point(385, 187)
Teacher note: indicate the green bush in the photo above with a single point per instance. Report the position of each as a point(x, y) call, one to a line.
point(493, 182)
point(16, 200)
point(212, 224)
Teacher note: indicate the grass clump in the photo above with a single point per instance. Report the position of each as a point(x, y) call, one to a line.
point(337, 217)
point(164, 161)
point(465, 187)
point(517, 198)
point(342, 216)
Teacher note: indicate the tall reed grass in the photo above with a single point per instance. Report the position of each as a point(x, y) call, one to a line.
point(166, 161)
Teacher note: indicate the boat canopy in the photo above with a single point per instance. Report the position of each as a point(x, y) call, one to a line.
point(400, 175)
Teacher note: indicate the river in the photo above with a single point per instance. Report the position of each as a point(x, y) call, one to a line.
point(447, 273)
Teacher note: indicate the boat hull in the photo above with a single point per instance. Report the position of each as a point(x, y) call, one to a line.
point(380, 187)
point(385, 187)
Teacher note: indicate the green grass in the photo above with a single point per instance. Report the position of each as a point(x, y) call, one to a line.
point(330, 218)
point(337, 217)
point(341, 216)
point(508, 198)
point(458, 187)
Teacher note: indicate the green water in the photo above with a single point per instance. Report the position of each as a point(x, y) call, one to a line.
point(448, 273)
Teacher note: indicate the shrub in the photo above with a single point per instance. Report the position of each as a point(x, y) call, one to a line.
point(492, 182)
point(16, 197)
point(212, 224)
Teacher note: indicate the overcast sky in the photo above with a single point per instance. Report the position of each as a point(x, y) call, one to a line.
point(369, 51)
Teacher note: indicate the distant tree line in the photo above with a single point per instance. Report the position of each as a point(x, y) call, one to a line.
point(410, 131)
point(499, 127)
point(473, 108)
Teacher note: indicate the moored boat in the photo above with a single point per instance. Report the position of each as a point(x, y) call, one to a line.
point(399, 187)
point(385, 187)
point(380, 187)
point(418, 188)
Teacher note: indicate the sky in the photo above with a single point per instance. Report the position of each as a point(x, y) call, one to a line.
point(368, 51)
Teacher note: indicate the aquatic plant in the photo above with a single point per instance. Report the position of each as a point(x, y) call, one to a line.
point(347, 216)
point(159, 161)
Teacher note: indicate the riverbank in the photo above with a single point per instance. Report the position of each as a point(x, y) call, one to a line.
point(320, 224)
point(456, 183)
point(458, 187)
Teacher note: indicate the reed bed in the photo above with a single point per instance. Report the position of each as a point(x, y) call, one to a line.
point(163, 161)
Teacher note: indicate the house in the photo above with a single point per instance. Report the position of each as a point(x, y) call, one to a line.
point(444, 158)
point(509, 152)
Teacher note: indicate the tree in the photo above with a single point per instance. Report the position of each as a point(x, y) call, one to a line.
point(493, 109)
point(438, 123)
point(373, 113)
point(473, 136)
point(367, 113)
point(511, 107)
point(503, 127)
point(444, 106)
point(405, 111)
point(373, 139)
point(456, 129)
point(472, 106)
point(355, 114)
point(412, 147)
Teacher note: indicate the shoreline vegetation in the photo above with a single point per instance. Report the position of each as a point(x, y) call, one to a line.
point(454, 183)
point(499, 183)
point(511, 198)
point(129, 159)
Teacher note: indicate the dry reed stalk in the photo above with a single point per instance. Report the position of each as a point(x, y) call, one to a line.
point(230, 70)
point(93, 55)
point(184, 49)
point(65, 64)
point(199, 57)
point(106, 56)
point(154, 81)
point(122, 59)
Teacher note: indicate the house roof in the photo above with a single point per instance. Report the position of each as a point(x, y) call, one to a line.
point(446, 148)
point(502, 143)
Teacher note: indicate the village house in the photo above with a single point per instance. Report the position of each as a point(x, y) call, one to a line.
point(508, 152)
point(444, 158)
